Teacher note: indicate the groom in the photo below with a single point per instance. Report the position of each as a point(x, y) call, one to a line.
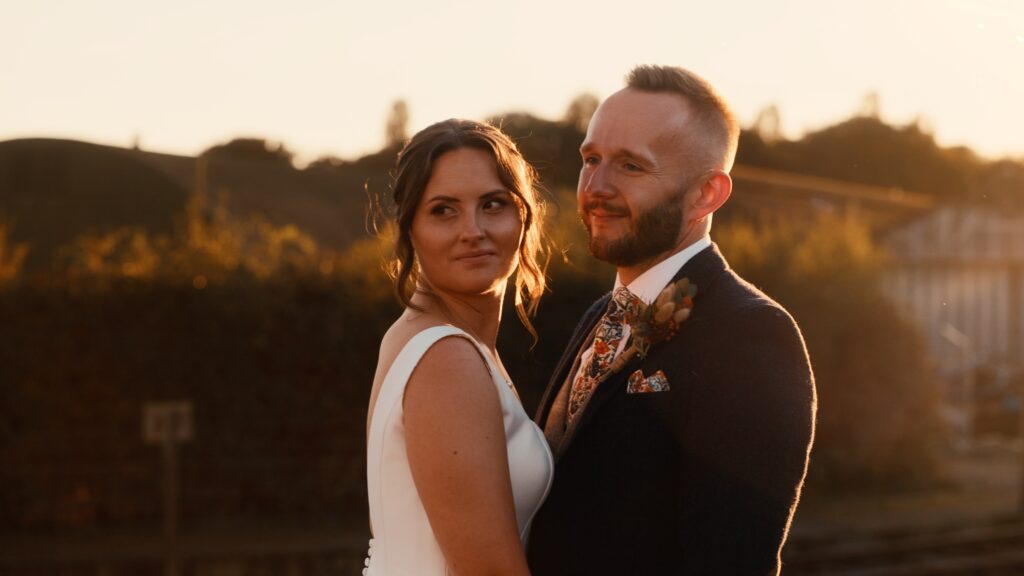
point(681, 420)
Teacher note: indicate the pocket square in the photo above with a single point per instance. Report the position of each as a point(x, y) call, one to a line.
point(638, 384)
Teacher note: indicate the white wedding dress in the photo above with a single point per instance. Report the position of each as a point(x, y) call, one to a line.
point(403, 543)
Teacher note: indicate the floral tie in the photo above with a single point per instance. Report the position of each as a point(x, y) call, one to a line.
point(606, 342)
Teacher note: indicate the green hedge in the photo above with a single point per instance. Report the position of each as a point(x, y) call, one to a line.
point(278, 372)
point(278, 365)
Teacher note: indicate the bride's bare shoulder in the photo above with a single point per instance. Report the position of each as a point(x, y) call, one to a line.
point(403, 330)
point(398, 335)
point(391, 345)
point(447, 353)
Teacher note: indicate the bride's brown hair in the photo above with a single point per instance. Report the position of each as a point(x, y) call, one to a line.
point(415, 165)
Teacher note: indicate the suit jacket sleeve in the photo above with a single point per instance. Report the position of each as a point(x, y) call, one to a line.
point(745, 446)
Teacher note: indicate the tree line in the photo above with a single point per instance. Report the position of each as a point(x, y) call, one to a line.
point(274, 338)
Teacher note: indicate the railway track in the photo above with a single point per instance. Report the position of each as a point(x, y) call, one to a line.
point(988, 550)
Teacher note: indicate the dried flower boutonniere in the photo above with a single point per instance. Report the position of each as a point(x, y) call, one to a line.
point(660, 320)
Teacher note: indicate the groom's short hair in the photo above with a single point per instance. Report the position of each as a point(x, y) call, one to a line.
point(713, 115)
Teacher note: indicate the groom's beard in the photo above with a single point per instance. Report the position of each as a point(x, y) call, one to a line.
point(652, 233)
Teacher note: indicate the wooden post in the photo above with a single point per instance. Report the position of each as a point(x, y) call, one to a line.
point(1016, 310)
point(1020, 415)
point(169, 424)
point(172, 562)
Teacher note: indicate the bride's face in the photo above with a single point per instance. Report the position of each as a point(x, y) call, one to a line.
point(467, 228)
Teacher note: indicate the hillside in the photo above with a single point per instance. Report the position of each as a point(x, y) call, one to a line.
point(53, 191)
point(329, 205)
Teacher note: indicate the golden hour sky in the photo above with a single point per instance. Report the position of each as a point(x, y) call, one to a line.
point(320, 76)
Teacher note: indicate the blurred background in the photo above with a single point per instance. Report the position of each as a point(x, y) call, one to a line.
point(191, 304)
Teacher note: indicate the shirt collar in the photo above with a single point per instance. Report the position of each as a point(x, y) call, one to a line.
point(648, 285)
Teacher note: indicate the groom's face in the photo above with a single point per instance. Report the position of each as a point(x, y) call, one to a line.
point(635, 176)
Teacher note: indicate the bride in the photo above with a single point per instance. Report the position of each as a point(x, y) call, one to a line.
point(455, 467)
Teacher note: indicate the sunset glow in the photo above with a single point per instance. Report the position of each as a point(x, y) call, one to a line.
point(321, 76)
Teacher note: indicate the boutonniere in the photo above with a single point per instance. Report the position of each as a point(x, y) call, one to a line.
point(660, 320)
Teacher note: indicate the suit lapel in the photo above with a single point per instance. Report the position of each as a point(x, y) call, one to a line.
point(602, 391)
point(570, 358)
point(703, 269)
point(554, 408)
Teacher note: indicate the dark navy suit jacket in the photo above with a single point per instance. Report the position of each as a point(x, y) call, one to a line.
point(700, 479)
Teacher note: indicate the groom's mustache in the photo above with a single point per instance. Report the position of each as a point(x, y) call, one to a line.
point(605, 207)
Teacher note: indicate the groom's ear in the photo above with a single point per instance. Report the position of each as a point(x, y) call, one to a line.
point(715, 189)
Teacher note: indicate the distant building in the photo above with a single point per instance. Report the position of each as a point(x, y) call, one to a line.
point(958, 273)
point(759, 190)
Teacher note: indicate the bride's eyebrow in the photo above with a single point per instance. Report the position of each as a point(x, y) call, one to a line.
point(496, 192)
point(435, 199)
point(452, 199)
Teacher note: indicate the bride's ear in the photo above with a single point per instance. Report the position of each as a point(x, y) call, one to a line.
point(714, 190)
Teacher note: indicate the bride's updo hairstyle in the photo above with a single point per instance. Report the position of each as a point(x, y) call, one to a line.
point(415, 164)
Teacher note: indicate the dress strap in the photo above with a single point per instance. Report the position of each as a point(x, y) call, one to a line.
point(393, 386)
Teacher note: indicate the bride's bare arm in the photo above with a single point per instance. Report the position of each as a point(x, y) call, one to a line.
point(455, 440)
